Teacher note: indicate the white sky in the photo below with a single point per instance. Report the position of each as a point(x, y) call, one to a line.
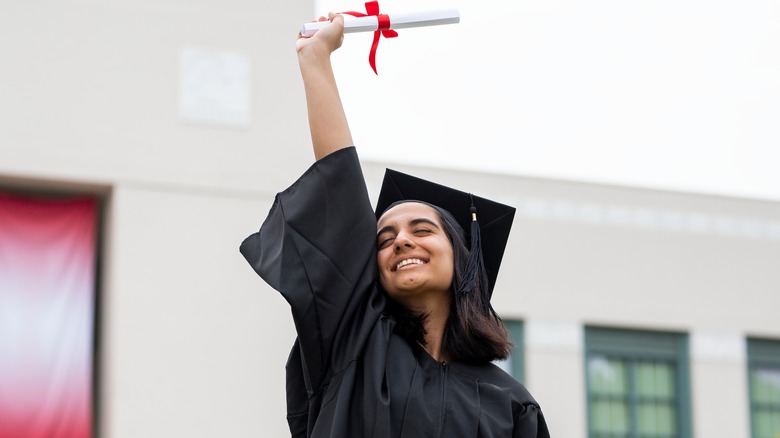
point(681, 95)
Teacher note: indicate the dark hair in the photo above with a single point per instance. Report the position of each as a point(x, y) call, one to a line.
point(474, 332)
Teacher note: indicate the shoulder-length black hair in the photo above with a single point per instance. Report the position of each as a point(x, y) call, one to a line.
point(474, 333)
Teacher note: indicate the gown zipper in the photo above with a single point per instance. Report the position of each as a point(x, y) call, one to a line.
point(443, 397)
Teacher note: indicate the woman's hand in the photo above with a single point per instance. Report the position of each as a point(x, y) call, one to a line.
point(325, 41)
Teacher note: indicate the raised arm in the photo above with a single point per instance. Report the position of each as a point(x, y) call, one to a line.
point(327, 121)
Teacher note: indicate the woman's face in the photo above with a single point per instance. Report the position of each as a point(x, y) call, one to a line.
point(414, 254)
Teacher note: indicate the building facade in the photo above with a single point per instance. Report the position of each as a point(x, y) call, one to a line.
point(635, 312)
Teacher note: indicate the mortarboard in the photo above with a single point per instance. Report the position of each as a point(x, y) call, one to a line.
point(495, 219)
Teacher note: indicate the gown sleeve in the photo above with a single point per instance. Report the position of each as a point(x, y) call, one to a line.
point(530, 423)
point(317, 247)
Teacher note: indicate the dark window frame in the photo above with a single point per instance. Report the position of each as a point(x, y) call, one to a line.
point(516, 329)
point(632, 346)
point(761, 354)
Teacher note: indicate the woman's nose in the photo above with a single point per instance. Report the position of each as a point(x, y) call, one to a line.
point(402, 241)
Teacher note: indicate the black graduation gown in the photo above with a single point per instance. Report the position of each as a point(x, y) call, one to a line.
point(349, 374)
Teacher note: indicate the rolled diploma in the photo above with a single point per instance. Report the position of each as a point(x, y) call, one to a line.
point(397, 21)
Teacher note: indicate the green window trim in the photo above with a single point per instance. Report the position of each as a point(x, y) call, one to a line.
point(514, 365)
point(637, 384)
point(517, 336)
point(764, 387)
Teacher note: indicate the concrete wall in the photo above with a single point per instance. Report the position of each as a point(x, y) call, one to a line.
point(193, 344)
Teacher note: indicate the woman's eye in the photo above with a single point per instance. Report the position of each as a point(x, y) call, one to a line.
point(422, 231)
point(383, 243)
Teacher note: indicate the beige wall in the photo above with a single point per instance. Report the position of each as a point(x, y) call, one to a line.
point(90, 91)
point(712, 376)
point(194, 344)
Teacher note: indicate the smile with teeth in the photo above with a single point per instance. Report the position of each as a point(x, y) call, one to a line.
point(409, 262)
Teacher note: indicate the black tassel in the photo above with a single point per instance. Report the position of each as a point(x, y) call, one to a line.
point(475, 280)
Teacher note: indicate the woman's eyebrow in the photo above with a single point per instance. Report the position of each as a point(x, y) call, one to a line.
point(385, 229)
point(423, 220)
point(412, 223)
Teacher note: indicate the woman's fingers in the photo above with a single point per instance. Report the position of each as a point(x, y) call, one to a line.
point(331, 35)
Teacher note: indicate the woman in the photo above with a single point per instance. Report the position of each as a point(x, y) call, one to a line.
point(395, 330)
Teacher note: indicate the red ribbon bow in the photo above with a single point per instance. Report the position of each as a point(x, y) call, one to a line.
point(372, 9)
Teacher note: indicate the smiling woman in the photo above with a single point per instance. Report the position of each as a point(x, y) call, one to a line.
point(414, 256)
point(396, 333)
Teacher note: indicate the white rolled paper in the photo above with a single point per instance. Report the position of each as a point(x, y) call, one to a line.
point(397, 21)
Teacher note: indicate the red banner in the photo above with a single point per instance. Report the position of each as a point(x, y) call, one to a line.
point(47, 289)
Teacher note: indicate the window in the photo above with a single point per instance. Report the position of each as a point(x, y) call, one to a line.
point(514, 364)
point(637, 384)
point(764, 378)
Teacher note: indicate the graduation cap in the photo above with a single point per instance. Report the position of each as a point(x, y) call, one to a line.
point(485, 223)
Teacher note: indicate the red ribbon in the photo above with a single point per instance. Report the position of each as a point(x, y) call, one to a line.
point(372, 9)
